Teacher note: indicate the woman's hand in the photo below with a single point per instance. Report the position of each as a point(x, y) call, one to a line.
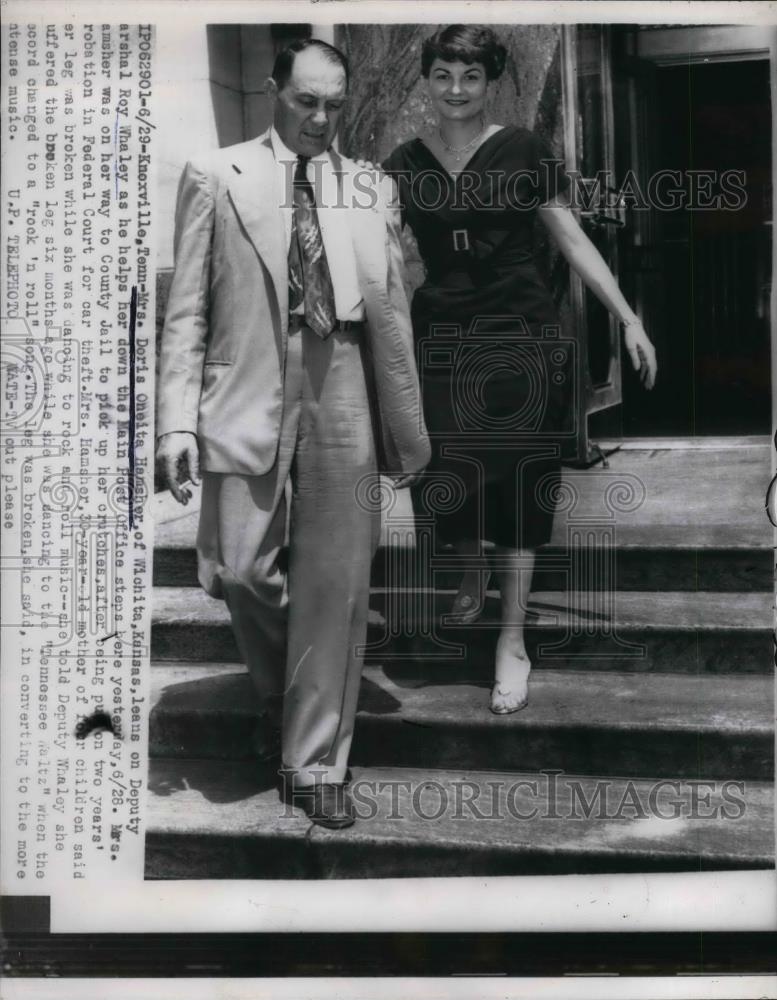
point(401, 481)
point(641, 352)
point(367, 164)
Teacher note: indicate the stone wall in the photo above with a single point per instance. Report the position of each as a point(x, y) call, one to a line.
point(388, 102)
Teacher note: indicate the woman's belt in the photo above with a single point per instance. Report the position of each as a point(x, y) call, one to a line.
point(473, 251)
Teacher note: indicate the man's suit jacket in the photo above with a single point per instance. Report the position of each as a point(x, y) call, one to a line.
point(224, 339)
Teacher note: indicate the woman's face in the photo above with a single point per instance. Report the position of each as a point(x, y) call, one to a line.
point(457, 90)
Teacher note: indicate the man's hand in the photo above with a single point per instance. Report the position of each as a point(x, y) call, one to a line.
point(174, 451)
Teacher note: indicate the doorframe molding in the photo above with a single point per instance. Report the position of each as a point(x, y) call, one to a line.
point(689, 45)
point(590, 398)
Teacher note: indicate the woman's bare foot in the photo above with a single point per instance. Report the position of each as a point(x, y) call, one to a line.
point(511, 683)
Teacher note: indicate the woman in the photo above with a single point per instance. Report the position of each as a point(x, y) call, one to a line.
point(471, 191)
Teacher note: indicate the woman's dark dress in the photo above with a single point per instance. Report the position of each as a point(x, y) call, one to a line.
point(495, 371)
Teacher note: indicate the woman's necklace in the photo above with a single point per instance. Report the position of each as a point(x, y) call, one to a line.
point(459, 150)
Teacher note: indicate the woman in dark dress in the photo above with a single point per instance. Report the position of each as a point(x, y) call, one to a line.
point(496, 375)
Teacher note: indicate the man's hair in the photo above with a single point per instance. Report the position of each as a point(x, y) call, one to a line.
point(467, 43)
point(284, 61)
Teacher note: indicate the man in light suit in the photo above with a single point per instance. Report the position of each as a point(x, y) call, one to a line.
point(286, 306)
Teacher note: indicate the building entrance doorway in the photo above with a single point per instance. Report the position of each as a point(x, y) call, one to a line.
point(699, 266)
point(691, 101)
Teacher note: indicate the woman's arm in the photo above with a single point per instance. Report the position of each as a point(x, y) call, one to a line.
point(586, 260)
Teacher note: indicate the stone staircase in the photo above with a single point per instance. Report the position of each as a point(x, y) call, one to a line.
point(648, 744)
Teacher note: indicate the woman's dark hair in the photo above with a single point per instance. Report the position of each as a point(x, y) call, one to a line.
point(465, 43)
point(284, 61)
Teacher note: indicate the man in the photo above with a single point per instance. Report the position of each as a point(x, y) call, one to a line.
point(285, 306)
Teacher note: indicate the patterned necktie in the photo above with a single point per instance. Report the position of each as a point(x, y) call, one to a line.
point(309, 278)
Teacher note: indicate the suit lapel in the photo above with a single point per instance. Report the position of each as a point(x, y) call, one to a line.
point(253, 189)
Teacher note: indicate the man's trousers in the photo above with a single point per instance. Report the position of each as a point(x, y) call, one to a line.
point(290, 552)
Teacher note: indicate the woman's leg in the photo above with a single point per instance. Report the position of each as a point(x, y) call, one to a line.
point(511, 681)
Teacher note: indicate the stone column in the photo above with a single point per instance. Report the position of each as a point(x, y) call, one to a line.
point(209, 92)
point(199, 102)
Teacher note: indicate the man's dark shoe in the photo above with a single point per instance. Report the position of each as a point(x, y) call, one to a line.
point(266, 741)
point(326, 804)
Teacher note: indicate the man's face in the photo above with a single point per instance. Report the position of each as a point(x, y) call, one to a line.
point(307, 110)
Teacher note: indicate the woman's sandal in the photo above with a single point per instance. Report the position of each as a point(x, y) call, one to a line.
point(467, 608)
point(505, 707)
point(504, 700)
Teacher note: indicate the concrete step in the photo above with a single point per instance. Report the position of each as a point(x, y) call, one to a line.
point(662, 562)
point(632, 725)
point(216, 819)
point(699, 526)
point(683, 632)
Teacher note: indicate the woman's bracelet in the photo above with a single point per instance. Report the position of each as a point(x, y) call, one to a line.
point(631, 322)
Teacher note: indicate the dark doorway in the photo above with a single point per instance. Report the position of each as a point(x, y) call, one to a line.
point(708, 294)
